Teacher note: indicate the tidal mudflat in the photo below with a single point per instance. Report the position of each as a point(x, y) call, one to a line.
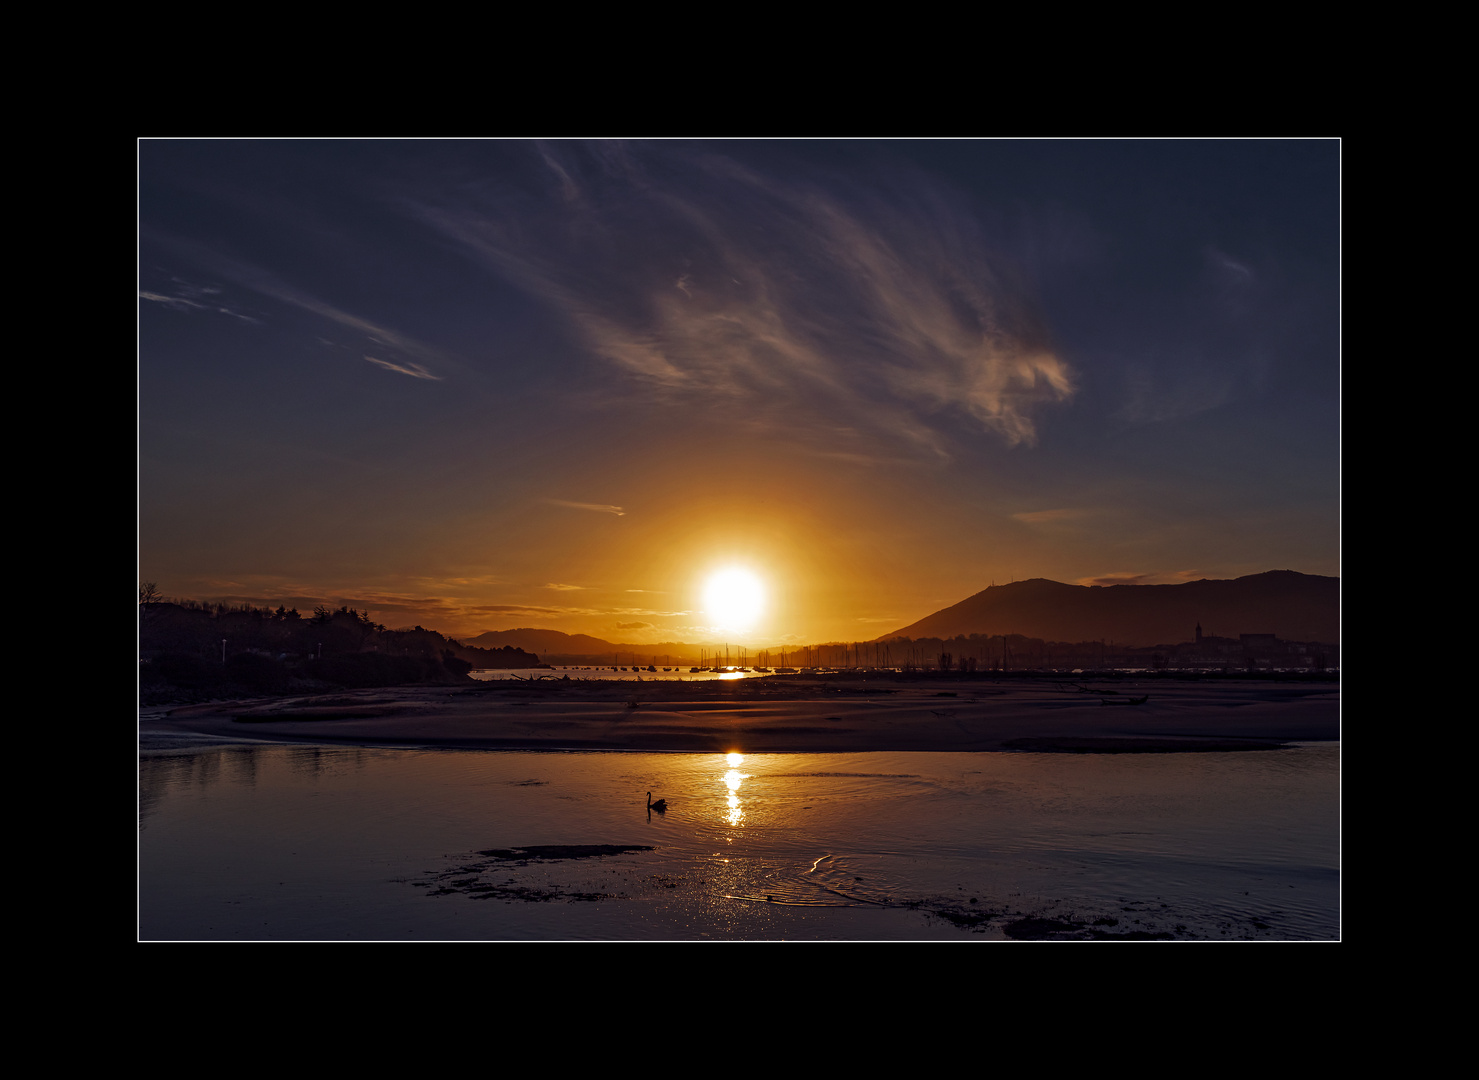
point(271, 840)
point(778, 715)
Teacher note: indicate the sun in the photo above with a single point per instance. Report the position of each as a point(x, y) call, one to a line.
point(734, 599)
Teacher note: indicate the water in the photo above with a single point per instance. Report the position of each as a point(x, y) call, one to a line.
point(616, 674)
point(279, 842)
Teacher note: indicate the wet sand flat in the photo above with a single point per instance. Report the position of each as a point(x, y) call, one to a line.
point(786, 715)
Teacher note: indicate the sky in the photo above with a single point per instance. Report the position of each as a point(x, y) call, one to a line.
point(481, 385)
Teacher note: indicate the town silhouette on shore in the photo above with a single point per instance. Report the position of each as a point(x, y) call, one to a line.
point(192, 649)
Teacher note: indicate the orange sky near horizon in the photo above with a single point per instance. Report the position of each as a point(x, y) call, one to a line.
point(483, 385)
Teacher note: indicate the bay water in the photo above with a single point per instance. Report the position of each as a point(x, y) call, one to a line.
point(273, 842)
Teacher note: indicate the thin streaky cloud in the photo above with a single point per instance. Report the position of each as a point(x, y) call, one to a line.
point(1118, 579)
point(184, 303)
point(893, 314)
point(530, 609)
point(178, 302)
point(416, 371)
point(1154, 577)
point(600, 508)
point(1235, 269)
point(266, 283)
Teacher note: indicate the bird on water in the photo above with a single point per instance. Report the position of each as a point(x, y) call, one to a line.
point(660, 806)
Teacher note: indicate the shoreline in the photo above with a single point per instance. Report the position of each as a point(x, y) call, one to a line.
point(767, 715)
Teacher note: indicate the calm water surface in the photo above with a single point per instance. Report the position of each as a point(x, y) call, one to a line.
point(615, 674)
point(293, 842)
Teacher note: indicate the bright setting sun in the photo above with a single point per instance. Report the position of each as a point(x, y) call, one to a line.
point(938, 483)
point(734, 599)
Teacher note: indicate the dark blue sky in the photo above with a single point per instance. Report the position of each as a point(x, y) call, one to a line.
point(479, 385)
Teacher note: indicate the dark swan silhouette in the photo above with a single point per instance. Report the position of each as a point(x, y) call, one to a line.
point(661, 806)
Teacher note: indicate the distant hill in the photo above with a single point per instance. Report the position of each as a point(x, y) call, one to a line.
point(541, 641)
point(195, 651)
point(549, 643)
point(1293, 606)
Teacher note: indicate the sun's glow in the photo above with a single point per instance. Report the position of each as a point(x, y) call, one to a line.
point(734, 599)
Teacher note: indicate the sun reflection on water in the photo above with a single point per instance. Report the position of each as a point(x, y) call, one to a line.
point(733, 778)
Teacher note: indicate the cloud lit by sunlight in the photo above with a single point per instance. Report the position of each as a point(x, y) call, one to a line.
point(882, 374)
point(600, 508)
point(416, 371)
point(715, 283)
point(266, 283)
point(1176, 577)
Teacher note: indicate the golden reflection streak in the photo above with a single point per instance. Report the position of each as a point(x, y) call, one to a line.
point(733, 778)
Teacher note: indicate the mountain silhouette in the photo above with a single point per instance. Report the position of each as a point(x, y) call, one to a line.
point(543, 641)
point(1290, 605)
point(556, 643)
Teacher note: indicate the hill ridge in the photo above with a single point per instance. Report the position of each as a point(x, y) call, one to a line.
point(1287, 603)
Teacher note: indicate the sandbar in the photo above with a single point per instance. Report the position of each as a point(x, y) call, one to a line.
point(782, 714)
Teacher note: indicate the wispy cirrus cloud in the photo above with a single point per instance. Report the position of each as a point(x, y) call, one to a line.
point(186, 296)
point(600, 508)
point(518, 609)
point(713, 283)
point(416, 371)
point(410, 356)
point(1160, 577)
point(179, 303)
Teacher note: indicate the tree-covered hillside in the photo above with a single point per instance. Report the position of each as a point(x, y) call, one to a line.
point(190, 650)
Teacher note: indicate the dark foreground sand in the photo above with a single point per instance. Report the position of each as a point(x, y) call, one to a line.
point(784, 714)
